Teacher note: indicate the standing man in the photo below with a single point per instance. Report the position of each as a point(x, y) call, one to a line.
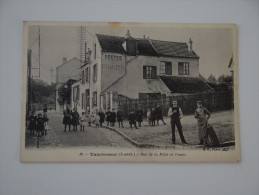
point(202, 115)
point(159, 115)
point(176, 114)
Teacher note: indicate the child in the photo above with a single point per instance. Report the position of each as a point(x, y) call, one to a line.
point(120, 117)
point(113, 117)
point(75, 119)
point(102, 116)
point(32, 123)
point(40, 124)
point(46, 125)
point(132, 119)
point(89, 118)
point(153, 117)
point(67, 121)
point(82, 122)
point(108, 116)
point(97, 120)
point(149, 116)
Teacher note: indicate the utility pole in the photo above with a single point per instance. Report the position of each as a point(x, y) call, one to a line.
point(29, 91)
point(39, 51)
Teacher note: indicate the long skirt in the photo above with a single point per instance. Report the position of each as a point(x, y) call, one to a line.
point(202, 128)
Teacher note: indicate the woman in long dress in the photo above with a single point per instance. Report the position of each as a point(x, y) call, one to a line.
point(202, 115)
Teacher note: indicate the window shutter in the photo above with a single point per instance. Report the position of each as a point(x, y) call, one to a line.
point(154, 76)
point(180, 68)
point(144, 72)
point(168, 68)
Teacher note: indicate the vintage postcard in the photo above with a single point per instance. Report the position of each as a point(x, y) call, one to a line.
point(129, 92)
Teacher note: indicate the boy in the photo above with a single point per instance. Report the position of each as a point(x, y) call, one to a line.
point(120, 117)
point(132, 119)
point(108, 116)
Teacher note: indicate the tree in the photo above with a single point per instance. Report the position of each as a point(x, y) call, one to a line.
point(64, 92)
point(212, 79)
point(42, 92)
point(225, 79)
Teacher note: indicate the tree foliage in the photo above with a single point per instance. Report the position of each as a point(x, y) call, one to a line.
point(64, 92)
point(212, 79)
point(43, 92)
point(225, 79)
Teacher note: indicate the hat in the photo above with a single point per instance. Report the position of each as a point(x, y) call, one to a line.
point(199, 102)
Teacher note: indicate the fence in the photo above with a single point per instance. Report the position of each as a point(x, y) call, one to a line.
point(212, 101)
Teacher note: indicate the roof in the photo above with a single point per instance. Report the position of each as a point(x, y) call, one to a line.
point(188, 85)
point(176, 49)
point(73, 61)
point(148, 47)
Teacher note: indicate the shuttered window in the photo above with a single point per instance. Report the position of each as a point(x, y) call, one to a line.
point(149, 72)
point(183, 68)
point(166, 68)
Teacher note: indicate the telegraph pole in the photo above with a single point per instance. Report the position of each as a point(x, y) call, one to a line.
point(29, 92)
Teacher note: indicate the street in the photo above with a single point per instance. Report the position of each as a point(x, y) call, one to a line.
point(91, 136)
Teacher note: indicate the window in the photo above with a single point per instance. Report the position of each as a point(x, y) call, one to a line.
point(94, 98)
point(76, 93)
point(183, 68)
point(95, 51)
point(83, 77)
point(86, 75)
point(83, 101)
point(95, 73)
point(166, 68)
point(87, 98)
point(149, 72)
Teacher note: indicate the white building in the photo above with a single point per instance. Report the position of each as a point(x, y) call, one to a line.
point(136, 69)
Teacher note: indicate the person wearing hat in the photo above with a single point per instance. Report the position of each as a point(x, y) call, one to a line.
point(108, 116)
point(119, 116)
point(202, 115)
point(176, 114)
point(139, 115)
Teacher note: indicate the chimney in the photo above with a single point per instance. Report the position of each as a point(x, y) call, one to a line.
point(64, 60)
point(190, 45)
point(127, 34)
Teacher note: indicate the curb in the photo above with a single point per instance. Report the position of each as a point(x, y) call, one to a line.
point(141, 145)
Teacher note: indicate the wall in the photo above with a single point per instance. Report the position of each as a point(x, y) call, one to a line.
point(69, 70)
point(112, 69)
point(133, 83)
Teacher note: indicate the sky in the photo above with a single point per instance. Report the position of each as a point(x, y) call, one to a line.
point(213, 45)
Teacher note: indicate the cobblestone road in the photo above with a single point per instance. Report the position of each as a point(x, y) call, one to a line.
point(92, 136)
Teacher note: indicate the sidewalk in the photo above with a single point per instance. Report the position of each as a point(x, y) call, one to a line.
point(161, 136)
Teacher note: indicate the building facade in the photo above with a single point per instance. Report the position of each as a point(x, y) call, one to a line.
point(135, 69)
point(70, 69)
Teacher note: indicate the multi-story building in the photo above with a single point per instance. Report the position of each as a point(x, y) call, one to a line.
point(136, 68)
point(70, 69)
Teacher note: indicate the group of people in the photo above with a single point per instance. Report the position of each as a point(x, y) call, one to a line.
point(73, 118)
point(135, 119)
point(38, 123)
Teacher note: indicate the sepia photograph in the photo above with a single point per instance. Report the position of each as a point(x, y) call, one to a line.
point(129, 92)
